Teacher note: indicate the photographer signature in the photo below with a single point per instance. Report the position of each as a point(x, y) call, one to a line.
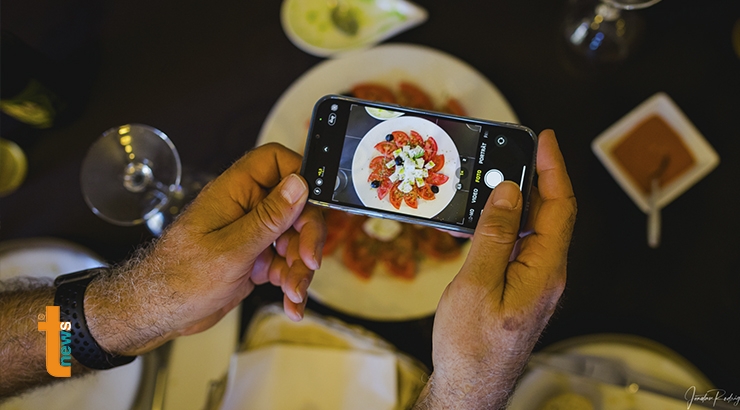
point(713, 396)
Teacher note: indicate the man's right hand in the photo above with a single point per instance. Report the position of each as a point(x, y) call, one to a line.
point(492, 313)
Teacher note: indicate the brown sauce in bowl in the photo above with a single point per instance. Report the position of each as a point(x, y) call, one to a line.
point(642, 151)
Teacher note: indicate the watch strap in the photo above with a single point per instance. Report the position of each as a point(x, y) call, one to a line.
point(70, 296)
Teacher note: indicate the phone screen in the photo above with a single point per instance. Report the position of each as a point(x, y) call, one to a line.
point(412, 165)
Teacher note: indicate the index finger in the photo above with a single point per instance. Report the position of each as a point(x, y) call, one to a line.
point(241, 187)
point(263, 167)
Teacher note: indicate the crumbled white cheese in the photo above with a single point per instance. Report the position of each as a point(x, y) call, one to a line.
point(383, 230)
point(412, 170)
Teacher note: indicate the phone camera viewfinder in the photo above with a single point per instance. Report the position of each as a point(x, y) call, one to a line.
point(334, 107)
point(501, 141)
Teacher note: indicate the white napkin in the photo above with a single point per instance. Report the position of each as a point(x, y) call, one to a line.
point(285, 377)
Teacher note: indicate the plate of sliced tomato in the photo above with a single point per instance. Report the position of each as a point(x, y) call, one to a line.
point(449, 83)
point(407, 165)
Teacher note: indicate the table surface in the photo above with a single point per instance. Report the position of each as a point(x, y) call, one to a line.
point(207, 73)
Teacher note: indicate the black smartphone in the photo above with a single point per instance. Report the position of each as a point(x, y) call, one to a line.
point(387, 161)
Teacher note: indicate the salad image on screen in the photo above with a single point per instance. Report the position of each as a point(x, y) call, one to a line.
point(407, 169)
point(405, 165)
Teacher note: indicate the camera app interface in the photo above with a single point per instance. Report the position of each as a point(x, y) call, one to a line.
point(420, 165)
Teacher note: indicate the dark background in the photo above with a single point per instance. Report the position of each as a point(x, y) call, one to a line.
point(207, 73)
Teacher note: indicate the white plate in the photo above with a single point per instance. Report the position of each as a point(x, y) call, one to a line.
point(113, 389)
point(383, 297)
point(643, 355)
point(706, 158)
point(308, 25)
point(366, 151)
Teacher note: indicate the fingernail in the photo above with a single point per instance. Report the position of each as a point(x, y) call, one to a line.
point(301, 289)
point(506, 195)
point(300, 311)
point(317, 258)
point(293, 189)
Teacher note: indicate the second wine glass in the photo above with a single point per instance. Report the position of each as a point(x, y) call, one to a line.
point(604, 31)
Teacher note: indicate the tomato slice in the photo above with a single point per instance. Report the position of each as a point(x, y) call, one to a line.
point(426, 193)
point(413, 96)
point(373, 92)
point(339, 224)
point(384, 188)
point(378, 163)
point(400, 138)
point(399, 255)
point(439, 162)
point(430, 149)
point(359, 253)
point(412, 199)
point(453, 106)
point(378, 170)
point(437, 244)
point(416, 139)
point(386, 148)
point(436, 179)
point(396, 196)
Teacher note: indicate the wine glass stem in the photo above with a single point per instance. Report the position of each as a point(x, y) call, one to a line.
point(137, 176)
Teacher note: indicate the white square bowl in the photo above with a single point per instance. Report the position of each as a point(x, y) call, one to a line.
point(706, 158)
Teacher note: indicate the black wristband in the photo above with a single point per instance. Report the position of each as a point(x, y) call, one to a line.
point(69, 296)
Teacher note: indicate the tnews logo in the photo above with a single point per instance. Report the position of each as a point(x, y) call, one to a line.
point(58, 340)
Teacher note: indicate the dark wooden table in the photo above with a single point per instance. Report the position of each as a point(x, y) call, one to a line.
point(207, 73)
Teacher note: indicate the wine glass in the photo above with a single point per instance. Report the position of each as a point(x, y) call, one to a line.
point(604, 31)
point(132, 175)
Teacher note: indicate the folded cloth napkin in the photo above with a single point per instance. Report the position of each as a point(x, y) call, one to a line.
point(318, 363)
point(284, 377)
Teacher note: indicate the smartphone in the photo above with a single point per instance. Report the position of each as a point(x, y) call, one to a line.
point(387, 161)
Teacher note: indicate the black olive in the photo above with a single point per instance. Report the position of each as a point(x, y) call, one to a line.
point(389, 137)
point(399, 161)
point(375, 184)
point(435, 189)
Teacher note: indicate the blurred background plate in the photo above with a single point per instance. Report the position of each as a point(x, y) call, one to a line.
point(442, 76)
point(114, 389)
point(643, 355)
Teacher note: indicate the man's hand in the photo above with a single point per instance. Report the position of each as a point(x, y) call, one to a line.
point(210, 259)
point(492, 313)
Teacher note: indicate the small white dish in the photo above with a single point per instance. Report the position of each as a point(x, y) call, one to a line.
point(309, 26)
point(661, 105)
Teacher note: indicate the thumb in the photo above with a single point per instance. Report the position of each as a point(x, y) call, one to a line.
point(272, 216)
point(496, 234)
